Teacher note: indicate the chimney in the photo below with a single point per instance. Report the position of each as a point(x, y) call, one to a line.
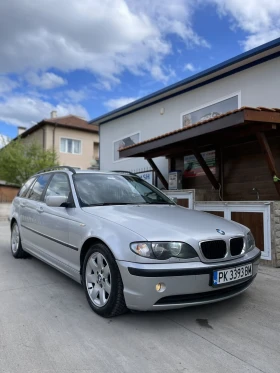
point(21, 130)
point(54, 114)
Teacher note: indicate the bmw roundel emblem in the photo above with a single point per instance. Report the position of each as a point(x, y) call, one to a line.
point(220, 231)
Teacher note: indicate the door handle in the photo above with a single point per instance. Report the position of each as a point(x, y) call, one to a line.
point(40, 209)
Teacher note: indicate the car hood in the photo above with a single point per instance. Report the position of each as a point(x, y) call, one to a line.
point(168, 222)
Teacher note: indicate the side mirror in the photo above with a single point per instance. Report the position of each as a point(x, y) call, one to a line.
point(56, 201)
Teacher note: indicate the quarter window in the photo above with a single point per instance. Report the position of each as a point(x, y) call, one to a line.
point(59, 186)
point(39, 187)
point(70, 146)
point(25, 188)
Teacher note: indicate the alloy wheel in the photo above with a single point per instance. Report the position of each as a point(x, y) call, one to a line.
point(98, 279)
point(15, 238)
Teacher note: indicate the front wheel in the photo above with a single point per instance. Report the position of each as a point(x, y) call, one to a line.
point(102, 282)
point(16, 246)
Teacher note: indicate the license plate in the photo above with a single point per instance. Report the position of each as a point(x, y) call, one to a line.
point(232, 274)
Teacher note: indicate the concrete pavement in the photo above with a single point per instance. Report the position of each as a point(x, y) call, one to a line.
point(46, 326)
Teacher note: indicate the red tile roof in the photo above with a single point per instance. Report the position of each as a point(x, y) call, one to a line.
point(68, 121)
point(72, 121)
point(260, 108)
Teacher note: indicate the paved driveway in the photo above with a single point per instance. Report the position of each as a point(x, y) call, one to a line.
point(47, 326)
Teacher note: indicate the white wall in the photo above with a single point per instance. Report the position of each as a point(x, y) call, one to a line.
point(259, 86)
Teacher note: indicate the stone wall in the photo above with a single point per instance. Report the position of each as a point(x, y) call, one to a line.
point(275, 233)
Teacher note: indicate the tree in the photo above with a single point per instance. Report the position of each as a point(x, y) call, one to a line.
point(18, 161)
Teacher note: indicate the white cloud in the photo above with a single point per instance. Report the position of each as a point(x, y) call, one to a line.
point(4, 140)
point(105, 37)
point(7, 84)
point(76, 95)
point(22, 110)
point(115, 103)
point(260, 19)
point(160, 74)
point(45, 80)
point(190, 67)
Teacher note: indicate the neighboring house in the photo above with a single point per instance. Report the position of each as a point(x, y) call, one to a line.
point(74, 140)
point(250, 79)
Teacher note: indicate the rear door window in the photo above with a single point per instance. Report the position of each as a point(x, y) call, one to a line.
point(25, 188)
point(39, 186)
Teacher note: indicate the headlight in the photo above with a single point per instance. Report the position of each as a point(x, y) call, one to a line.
point(163, 250)
point(250, 241)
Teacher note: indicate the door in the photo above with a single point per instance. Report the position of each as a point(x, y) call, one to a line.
point(31, 222)
point(55, 222)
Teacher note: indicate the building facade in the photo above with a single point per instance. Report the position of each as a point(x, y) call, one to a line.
point(76, 142)
point(251, 79)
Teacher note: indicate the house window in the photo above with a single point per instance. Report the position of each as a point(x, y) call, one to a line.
point(210, 111)
point(70, 146)
point(122, 143)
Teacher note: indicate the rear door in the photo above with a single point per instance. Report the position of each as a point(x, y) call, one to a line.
point(30, 211)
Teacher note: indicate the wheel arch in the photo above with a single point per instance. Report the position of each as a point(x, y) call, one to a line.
point(13, 220)
point(86, 245)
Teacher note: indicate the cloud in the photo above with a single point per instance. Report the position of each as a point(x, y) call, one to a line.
point(76, 95)
point(260, 19)
point(45, 80)
point(20, 110)
point(190, 67)
point(4, 140)
point(105, 37)
point(115, 103)
point(7, 84)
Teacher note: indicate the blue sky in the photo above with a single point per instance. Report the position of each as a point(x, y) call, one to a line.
point(87, 57)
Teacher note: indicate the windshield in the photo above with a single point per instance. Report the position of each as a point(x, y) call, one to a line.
point(107, 189)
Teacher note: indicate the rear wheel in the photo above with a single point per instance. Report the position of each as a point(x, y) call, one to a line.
point(16, 246)
point(102, 282)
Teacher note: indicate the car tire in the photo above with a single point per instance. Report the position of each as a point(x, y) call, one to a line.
point(102, 282)
point(16, 247)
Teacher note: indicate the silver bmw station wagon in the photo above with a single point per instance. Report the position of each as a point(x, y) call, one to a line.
point(128, 244)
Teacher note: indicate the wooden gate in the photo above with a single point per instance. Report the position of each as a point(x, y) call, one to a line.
point(255, 216)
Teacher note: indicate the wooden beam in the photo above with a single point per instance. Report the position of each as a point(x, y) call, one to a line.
point(158, 173)
point(269, 158)
point(206, 169)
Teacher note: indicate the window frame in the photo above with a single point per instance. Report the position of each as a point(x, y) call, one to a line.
point(69, 138)
point(217, 101)
point(30, 186)
point(40, 199)
point(72, 201)
point(121, 138)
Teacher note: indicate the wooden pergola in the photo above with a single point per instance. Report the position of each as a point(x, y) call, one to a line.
point(236, 127)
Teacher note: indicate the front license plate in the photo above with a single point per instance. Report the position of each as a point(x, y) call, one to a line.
point(232, 274)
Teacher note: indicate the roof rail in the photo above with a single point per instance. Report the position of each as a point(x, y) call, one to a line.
point(57, 168)
point(125, 172)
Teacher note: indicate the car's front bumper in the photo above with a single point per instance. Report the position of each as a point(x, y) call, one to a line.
point(186, 284)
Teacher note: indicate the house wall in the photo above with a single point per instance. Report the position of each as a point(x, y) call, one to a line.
point(82, 160)
point(44, 137)
point(36, 136)
point(258, 86)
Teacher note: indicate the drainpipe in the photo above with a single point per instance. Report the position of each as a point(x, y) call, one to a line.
point(53, 146)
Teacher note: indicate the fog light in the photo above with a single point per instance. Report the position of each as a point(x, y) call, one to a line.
point(160, 287)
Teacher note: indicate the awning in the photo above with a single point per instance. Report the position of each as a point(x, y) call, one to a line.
point(226, 129)
point(238, 123)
